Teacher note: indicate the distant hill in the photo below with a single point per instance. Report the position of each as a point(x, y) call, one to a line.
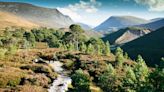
point(125, 35)
point(150, 46)
point(117, 22)
point(154, 25)
point(156, 19)
point(45, 17)
point(10, 20)
point(85, 26)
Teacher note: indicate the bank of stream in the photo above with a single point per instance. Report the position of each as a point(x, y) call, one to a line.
point(61, 83)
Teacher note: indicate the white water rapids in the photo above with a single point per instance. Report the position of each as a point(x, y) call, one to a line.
point(63, 81)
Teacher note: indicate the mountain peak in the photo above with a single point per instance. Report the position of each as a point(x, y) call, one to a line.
point(119, 22)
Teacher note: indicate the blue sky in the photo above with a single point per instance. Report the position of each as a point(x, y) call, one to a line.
point(93, 12)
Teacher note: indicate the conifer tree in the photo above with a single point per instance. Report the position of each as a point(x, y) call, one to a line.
point(99, 50)
point(107, 48)
point(126, 55)
point(90, 49)
point(141, 71)
point(119, 57)
point(83, 47)
point(129, 80)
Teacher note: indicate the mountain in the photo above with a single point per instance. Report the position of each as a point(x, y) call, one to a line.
point(125, 35)
point(85, 26)
point(156, 19)
point(45, 17)
point(10, 20)
point(150, 46)
point(117, 22)
point(154, 25)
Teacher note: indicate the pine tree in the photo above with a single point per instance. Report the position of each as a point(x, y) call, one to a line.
point(90, 49)
point(126, 55)
point(141, 71)
point(99, 50)
point(70, 47)
point(83, 47)
point(107, 49)
point(129, 80)
point(119, 57)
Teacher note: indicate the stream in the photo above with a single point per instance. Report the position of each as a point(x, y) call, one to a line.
point(63, 80)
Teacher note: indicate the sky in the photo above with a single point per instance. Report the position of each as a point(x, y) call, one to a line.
point(94, 12)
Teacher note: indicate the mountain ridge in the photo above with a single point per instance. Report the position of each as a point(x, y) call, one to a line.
point(119, 22)
point(46, 17)
point(149, 46)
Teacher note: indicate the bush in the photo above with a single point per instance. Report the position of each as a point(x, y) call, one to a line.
point(14, 82)
point(2, 52)
point(68, 64)
point(81, 81)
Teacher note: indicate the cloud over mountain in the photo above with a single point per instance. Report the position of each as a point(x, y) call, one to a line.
point(154, 5)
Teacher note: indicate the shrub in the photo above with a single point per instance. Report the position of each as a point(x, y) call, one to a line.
point(14, 82)
point(81, 81)
point(2, 52)
point(68, 64)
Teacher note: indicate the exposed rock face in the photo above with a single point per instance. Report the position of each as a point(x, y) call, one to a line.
point(130, 35)
point(45, 17)
point(125, 35)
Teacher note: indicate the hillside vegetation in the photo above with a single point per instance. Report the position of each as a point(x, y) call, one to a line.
point(91, 65)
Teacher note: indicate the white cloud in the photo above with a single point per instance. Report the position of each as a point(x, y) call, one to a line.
point(89, 7)
point(154, 5)
point(66, 11)
point(79, 10)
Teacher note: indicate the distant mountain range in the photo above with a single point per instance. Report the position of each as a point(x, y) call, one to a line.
point(117, 22)
point(125, 35)
point(150, 46)
point(45, 17)
point(156, 24)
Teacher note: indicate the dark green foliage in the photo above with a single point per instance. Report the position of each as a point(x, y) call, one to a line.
point(90, 49)
point(107, 49)
point(129, 82)
point(107, 80)
point(53, 42)
point(141, 72)
point(30, 37)
point(119, 57)
point(83, 47)
point(157, 80)
point(81, 81)
point(76, 32)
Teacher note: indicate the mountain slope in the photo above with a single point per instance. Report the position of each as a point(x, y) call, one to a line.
point(10, 20)
point(119, 22)
point(125, 35)
point(149, 46)
point(45, 17)
point(154, 25)
point(85, 26)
